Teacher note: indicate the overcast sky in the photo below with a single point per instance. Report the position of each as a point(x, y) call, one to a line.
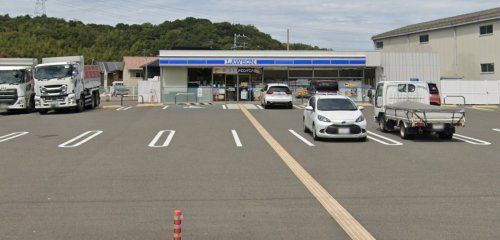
point(340, 25)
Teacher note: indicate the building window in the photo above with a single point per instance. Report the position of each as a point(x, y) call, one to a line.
point(379, 45)
point(486, 30)
point(424, 38)
point(487, 68)
point(138, 74)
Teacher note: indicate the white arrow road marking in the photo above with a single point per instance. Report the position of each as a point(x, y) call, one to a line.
point(164, 108)
point(11, 136)
point(73, 142)
point(260, 107)
point(496, 129)
point(236, 138)
point(470, 140)
point(388, 141)
point(123, 108)
point(301, 138)
point(158, 136)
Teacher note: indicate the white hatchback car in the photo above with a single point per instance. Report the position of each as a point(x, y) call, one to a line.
point(334, 116)
point(276, 94)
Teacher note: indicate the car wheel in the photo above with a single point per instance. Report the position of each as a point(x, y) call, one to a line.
point(306, 130)
point(363, 139)
point(290, 106)
point(403, 131)
point(31, 107)
point(315, 136)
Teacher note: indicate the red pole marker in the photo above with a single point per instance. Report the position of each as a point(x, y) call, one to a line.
point(177, 225)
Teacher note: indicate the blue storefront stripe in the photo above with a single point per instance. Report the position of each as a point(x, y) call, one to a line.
point(262, 62)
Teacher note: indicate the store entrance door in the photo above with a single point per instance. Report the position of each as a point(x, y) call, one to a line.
point(231, 87)
point(244, 87)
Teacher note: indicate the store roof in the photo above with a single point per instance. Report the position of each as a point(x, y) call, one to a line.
point(263, 53)
point(464, 19)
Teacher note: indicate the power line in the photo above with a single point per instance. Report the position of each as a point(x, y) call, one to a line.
point(40, 8)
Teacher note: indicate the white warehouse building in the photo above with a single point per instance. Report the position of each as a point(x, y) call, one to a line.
point(468, 47)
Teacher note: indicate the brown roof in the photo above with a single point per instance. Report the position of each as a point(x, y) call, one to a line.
point(136, 63)
point(91, 71)
point(442, 23)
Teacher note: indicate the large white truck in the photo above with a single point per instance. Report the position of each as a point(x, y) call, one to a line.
point(60, 84)
point(17, 84)
point(404, 106)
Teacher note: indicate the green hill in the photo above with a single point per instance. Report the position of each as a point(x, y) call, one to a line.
point(38, 37)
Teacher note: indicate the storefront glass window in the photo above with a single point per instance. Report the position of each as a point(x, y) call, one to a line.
point(351, 73)
point(199, 77)
point(326, 73)
point(301, 72)
point(275, 75)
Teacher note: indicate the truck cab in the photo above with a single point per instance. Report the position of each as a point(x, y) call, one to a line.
point(399, 91)
point(60, 83)
point(17, 84)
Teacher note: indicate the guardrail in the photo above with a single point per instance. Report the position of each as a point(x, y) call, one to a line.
point(180, 94)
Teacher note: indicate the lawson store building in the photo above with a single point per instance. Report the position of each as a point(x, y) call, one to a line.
point(212, 75)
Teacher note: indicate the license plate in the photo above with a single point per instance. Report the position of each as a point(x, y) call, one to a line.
point(344, 131)
point(439, 126)
point(54, 105)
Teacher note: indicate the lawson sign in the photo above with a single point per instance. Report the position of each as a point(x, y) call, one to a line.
point(245, 62)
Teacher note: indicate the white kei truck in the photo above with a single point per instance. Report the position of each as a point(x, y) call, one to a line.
point(17, 84)
point(60, 84)
point(405, 106)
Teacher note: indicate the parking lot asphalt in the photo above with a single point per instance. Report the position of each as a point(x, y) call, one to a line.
point(139, 164)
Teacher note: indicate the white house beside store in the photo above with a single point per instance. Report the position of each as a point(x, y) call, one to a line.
point(468, 47)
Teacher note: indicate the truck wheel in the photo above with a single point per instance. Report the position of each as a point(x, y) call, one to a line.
point(80, 104)
point(31, 105)
point(43, 111)
point(403, 131)
point(94, 101)
point(445, 135)
point(382, 124)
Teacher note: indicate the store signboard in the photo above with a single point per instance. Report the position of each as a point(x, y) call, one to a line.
point(249, 62)
point(250, 70)
point(221, 70)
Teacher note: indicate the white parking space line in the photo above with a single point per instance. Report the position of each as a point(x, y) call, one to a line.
point(164, 108)
point(11, 136)
point(233, 106)
point(123, 108)
point(470, 140)
point(250, 106)
point(154, 142)
point(496, 129)
point(82, 137)
point(301, 138)
point(236, 138)
point(260, 107)
point(380, 139)
point(224, 107)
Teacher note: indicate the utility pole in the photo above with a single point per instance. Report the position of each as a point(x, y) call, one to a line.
point(146, 65)
point(288, 39)
point(40, 7)
point(235, 41)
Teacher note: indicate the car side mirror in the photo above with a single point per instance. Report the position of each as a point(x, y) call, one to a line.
point(309, 108)
point(361, 108)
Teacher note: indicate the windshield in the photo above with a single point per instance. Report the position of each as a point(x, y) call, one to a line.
point(11, 76)
point(279, 89)
point(51, 72)
point(336, 105)
point(433, 89)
